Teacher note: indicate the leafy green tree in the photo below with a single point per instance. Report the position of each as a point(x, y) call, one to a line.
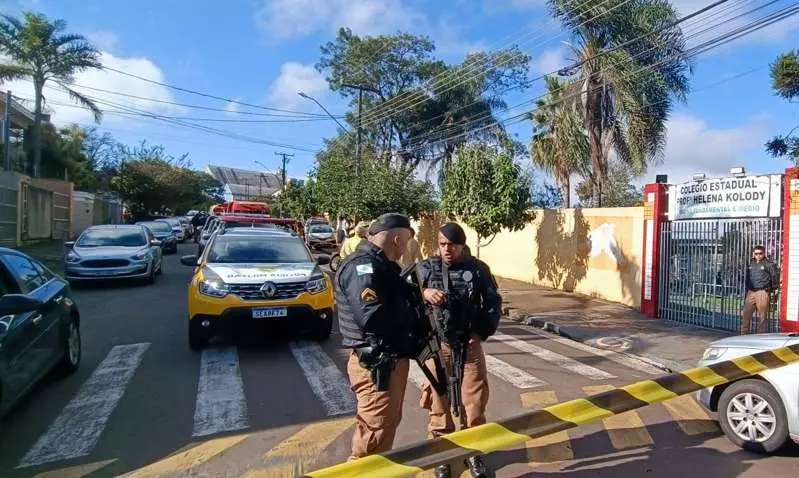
point(380, 187)
point(63, 156)
point(152, 182)
point(546, 196)
point(785, 83)
point(39, 50)
point(415, 107)
point(559, 145)
point(617, 192)
point(630, 67)
point(297, 200)
point(485, 189)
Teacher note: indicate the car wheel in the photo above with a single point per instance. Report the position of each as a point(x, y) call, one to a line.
point(323, 332)
point(160, 270)
point(72, 349)
point(753, 416)
point(335, 261)
point(151, 278)
point(196, 341)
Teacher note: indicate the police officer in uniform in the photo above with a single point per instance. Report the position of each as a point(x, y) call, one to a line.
point(462, 284)
point(375, 318)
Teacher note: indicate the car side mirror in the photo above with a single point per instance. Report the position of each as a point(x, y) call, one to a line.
point(155, 242)
point(12, 304)
point(190, 260)
point(323, 260)
point(69, 244)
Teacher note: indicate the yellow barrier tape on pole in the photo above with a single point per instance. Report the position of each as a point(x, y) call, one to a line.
point(412, 459)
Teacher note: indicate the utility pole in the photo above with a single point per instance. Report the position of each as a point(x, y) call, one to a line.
point(6, 133)
point(360, 89)
point(285, 160)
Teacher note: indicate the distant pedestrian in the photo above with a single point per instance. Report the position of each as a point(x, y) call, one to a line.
point(762, 278)
point(413, 253)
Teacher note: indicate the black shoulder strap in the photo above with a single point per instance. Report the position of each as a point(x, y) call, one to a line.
point(445, 275)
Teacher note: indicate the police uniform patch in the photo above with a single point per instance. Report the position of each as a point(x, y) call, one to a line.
point(368, 295)
point(363, 269)
point(467, 276)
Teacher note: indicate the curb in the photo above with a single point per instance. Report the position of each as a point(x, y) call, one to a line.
point(554, 328)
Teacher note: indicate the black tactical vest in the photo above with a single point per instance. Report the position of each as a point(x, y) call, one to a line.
point(463, 298)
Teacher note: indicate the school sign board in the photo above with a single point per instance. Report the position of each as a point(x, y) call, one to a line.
point(748, 196)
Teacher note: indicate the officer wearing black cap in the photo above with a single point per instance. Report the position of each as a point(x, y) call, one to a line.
point(375, 320)
point(465, 301)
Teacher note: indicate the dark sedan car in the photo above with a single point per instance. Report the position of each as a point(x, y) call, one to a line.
point(163, 232)
point(39, 325)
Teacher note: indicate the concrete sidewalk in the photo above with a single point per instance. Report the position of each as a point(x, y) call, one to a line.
point(669, 346)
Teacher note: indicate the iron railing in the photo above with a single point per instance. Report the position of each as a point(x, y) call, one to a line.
point(703, 265)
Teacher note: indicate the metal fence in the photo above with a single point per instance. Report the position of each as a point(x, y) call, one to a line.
point(61, 215)
point(37, 213)
point(8, 210)
point(703, 265)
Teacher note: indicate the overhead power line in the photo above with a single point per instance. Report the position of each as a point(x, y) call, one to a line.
point(377, 119)
point(204, 95)
point(489, 115)
point(713, 43)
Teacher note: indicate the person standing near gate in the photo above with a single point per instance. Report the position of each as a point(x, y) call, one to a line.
point(762, 278)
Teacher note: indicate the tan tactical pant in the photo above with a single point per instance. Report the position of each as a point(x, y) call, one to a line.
point(378, 413)
point(760, 300)
point(474, 392)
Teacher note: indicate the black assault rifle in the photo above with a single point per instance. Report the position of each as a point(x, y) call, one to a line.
point(427, 344)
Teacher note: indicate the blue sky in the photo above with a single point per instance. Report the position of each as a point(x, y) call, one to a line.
point(262, 52)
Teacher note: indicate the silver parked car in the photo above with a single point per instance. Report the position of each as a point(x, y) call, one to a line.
point(177, 227)
point(113, 252)
point(758, 413)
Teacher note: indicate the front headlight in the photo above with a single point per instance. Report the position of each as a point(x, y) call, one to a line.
point(316, 284)
point(213, 285)
point(713, 353)
point(142, 256)
point(72, 257)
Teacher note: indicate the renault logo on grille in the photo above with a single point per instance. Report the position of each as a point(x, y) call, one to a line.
point(268, 289)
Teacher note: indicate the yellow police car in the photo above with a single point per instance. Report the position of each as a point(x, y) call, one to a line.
point(258, 280)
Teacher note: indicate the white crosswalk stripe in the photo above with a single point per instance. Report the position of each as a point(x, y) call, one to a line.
point(513, 375)
point(78, 428)
point(611, 355)
point(507, 372)
point(221, 405)
point(327, 382)
point(572, 365)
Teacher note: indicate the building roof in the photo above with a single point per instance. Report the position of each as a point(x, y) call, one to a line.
point(21, 117)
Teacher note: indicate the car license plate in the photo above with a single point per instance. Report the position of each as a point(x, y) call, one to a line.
point(269, 313)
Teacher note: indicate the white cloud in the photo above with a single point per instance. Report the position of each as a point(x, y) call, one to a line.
point(283, 19)
point(694, 147)
point(295, 78)
point(103, 39)
point(63, 110)
point(549, 62)
point(232, 107)
point(449, 40)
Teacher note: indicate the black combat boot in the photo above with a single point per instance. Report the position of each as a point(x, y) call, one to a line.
point(477, 468)
point(443, 471)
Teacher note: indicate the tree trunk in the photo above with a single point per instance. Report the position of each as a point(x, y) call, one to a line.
point(594, 120)
point(37, 128)
point(567, 193)
point(478, 246)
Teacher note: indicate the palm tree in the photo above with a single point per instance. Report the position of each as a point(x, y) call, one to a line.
point(629, 68)
point(559, 145)
point(39, 51)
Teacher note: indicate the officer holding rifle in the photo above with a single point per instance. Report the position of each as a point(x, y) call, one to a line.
point(466, 305)
point(382, 318)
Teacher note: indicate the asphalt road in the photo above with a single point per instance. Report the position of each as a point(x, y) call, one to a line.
point(143, 404)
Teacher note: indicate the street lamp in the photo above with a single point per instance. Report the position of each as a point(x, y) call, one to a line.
point(308, 97)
